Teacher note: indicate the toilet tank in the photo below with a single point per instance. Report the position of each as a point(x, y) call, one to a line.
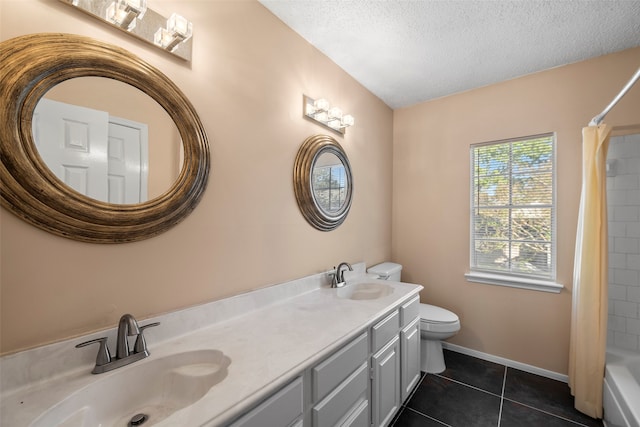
point(387, 271)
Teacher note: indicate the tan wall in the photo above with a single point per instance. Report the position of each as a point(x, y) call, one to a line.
point(431, 198)
point(246, 80)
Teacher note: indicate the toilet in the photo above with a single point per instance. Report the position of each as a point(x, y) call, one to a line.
point(436, 323)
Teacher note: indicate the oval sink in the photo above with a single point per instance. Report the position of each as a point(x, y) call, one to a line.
point(155, 388)
point(365, 291)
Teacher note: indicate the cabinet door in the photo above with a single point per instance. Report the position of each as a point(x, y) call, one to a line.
point(410, 352)
point(385, 393)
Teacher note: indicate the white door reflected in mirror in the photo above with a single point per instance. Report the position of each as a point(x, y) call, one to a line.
point(102, 157)
point(138, 137)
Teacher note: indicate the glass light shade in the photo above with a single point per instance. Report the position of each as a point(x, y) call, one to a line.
point(124, 13)
point(139, 7)
point(335, 113)
point(334, 124)
point(347, 120)
point(321, 104)
point(163, 38)
point(180, 26)
point(309, 109)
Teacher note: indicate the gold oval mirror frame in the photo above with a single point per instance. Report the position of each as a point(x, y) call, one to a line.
point(30, 66)
point(303, 183)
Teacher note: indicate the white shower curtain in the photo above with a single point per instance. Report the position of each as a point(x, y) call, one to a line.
point(589, 316)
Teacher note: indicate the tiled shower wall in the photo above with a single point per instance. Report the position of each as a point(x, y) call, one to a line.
point(623, 199)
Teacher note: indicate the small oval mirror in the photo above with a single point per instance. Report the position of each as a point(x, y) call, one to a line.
point(322, 182)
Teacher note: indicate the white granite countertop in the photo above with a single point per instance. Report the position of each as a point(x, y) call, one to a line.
point(267, 346)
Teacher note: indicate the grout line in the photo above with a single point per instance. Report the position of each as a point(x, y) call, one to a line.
point(415, 388)
point(404, 406)
point(546, 412)
point(467, 385)
point(504, 384)
point(501, 396)
point(427, 416)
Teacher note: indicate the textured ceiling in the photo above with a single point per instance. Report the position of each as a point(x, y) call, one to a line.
point(408, 52)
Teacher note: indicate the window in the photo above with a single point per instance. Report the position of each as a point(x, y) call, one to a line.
point(513, 213)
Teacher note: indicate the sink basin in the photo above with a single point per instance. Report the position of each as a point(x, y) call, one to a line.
point(154, 387)
point(365, 291)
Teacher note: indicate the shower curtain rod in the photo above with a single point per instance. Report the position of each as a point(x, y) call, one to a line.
point(597, 119)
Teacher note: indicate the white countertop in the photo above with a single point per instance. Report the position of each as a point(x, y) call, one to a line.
point(267, 346)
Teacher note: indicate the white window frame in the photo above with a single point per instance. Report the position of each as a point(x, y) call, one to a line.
point(522, 281)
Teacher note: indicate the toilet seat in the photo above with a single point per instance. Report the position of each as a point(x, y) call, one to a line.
point(438, 319)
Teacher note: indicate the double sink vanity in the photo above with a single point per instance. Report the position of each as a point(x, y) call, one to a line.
point(301, 353)
point(295, 354)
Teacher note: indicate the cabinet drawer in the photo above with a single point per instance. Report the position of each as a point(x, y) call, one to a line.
point(281, 409)
point(328, 374)
point(384, 330)
point(360, 417)
point(409, 311)
point(343, 399)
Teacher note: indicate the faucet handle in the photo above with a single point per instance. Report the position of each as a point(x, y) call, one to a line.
point(334, 277)
point(141, 345)
point(103, 356)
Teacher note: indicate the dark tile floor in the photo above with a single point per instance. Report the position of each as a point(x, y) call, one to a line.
point(473, 392)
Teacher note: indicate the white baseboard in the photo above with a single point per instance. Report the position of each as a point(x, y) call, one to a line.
point(507, 362)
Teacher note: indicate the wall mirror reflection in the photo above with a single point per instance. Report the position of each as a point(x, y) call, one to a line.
point(329, 181)
point(323, 182)
point(107, 140)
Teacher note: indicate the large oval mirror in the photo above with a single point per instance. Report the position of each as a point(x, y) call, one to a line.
point(30, 67)
point(323, 183)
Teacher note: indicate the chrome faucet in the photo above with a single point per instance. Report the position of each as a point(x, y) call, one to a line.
point(338, 277)
point(127, 327)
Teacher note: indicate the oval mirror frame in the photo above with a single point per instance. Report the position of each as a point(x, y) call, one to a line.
point(31, 65)
point(308, 153)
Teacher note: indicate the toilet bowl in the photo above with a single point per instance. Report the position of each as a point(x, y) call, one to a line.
point(436, 324)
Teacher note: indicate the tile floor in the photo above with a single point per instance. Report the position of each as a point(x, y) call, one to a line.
point(473, 392)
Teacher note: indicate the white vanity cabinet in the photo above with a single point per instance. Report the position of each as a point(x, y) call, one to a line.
point(362, 384)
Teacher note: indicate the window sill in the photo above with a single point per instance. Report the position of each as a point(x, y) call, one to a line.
point(514, 282)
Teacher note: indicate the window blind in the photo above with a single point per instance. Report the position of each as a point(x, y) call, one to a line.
point(513, 207)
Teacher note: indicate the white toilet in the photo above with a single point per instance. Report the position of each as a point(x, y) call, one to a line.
point(436, 323)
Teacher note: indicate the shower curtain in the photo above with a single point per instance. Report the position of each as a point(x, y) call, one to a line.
point(589, 315)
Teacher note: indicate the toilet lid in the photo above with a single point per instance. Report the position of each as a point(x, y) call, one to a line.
point(434, 314)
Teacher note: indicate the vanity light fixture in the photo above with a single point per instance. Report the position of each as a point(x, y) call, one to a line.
point(321, 111)
point(178, 30)
point(173, 35)
point(125, 13)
